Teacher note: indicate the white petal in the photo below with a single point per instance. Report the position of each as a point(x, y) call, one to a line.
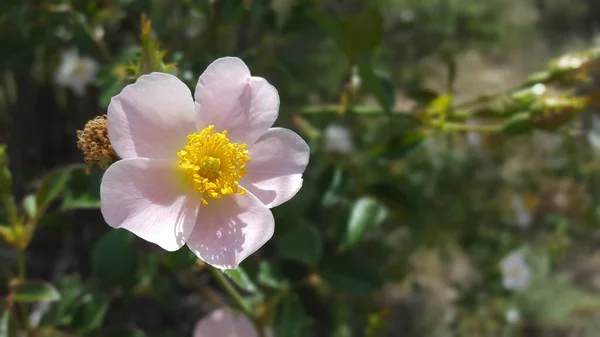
point(151, 118)
point(151, 199)
point(277, 161)
point(230, 229)
point(230, 99)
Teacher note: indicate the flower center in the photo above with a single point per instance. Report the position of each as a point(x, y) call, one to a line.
point(213, 164)
point(79, 69)
point(514, 272)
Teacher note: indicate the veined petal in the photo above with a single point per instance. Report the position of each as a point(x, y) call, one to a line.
point(151, 118)
point(226, 323)
point(277, 161)
point(230, 99)
point(230, 229)
point(148, 198)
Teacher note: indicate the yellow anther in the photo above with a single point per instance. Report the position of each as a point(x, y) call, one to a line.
point(214, 164)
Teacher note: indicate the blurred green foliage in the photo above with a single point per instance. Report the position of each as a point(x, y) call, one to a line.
point(399, 234)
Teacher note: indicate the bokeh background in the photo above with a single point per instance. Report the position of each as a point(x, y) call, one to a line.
point(406, 225)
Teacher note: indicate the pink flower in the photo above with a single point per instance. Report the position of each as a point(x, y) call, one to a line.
point(203, 173)
point(225, 323)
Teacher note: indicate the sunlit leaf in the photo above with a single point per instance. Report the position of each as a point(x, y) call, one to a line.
point(83, 190)
point(440, 106)
point(91, 312)
point(34, 291)
point(29, 205)
point(62, 312)
point(241, 279)
point(270, 275)
point(51, 188)
point(366, 214)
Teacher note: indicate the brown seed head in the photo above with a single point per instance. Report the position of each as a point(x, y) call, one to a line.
point(94, 143)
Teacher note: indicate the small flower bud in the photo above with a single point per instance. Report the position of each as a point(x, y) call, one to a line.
point(94, 143)
point(551, 112)
point(573, 67)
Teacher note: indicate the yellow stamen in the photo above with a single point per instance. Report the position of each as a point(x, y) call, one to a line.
point(214, 164)
point(514, 272)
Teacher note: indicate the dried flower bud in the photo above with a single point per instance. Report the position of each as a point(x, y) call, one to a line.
point(94, 143)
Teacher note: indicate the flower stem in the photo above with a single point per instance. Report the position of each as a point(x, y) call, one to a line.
point(231, 291)
point(470, 127)
point(21, 263)
point(226, 285)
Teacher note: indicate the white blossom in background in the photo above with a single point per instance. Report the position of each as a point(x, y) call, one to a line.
point(513, 316)
point(474, 140)
point(76, 72)
point(98, 33)
point(355, 78)
point(524, 217)
point(227, 323)
point(515, 271)
point(337, 139)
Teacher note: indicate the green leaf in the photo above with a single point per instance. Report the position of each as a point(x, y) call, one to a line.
point(395, 197)
point(366, 214)
point(180, 259)
point(271, 276)
point(302, 244)
point(347, 273)
point(517, 124)
point(378, 84)
point(52, 186)
point(35, 291)
point(61, 313)
point(440, 106)
point(5, 175)
point(338, 186)
point(29, 205)
point(400, 146)
point(83, 190)
point(91, 312)
point(356, 35)
point(114, 260)
point(291, 320)
point(241, 279)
